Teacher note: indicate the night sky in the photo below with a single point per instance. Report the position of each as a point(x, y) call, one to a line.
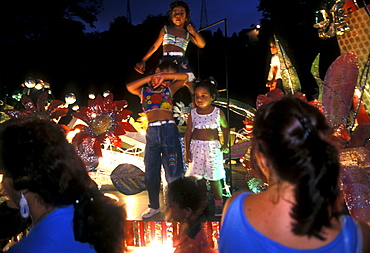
point(239, 13)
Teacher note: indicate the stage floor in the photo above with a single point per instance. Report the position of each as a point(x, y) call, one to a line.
point(138, 203)
point(155, 234)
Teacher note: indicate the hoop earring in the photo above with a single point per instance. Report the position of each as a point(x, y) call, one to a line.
point(23, 207)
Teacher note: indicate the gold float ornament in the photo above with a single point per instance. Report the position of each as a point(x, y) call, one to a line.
point(101, 124)
point(103, 119)
point(332, 22)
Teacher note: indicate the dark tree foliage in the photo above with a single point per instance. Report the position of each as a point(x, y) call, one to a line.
point(292, 22)
point(32, 19)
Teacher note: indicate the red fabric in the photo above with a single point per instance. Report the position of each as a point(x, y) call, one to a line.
point(201, 243)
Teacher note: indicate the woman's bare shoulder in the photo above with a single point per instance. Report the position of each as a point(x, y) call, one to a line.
point(231, 199)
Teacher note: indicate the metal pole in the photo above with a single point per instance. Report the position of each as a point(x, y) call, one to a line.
point(209, 26)
point(228, 101)
point(227, 87)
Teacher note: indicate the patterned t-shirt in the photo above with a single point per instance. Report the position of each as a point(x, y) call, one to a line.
point(156, 100)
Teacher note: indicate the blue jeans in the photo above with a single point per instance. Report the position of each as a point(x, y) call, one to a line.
point(162, 148)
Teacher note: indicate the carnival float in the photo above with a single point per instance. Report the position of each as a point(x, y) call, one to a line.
point(111, 143)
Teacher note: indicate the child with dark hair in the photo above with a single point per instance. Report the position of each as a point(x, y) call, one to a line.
point(184, 201)
point(162, 136)
point(203, 150)
point(300, 210)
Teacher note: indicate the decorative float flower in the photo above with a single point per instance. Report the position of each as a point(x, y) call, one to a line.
point(141, 124)
point(40, 110)
point(181, 112)
point(104, 119)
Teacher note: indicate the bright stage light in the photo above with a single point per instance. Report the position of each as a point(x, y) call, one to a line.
point(112, 196)
point(159, 246)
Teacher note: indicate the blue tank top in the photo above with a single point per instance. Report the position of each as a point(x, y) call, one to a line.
point(156, 100)
point(54, 233)
point(238, 235)
point(170, 39)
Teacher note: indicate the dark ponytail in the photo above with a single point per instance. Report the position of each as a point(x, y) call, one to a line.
point(293, 135)
point(316, 187)
point(95, 217)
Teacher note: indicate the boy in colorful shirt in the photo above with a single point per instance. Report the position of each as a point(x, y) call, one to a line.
point(162, 136)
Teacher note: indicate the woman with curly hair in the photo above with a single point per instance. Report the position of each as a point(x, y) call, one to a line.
point(47, 179)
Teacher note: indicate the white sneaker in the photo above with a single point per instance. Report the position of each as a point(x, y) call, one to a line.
point(149, 213)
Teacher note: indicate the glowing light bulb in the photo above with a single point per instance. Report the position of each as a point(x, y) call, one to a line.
point(106, 93)
point(39, 86)
point(75, 108)
point(70, 98)
point(30, 83)
point(92, 96)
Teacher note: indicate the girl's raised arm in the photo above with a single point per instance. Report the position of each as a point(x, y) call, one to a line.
point(134, 87)
point(140, 66)
point(195, 37)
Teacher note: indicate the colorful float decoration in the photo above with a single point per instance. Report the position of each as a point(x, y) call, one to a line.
point(39, 110)
point(101, 125)
point(104, 119)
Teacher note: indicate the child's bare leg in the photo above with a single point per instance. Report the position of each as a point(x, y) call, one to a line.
point(216, 189)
